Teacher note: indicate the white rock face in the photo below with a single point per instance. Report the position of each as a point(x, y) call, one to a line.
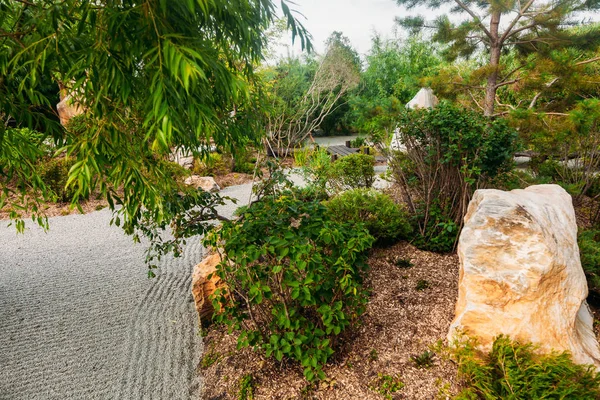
point(520, 273)
point(67, 109)
point(206, 183)
point(423, 99)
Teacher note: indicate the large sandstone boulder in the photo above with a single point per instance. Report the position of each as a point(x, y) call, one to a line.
point(520, 273)
point(203, 287)
point(206, 183)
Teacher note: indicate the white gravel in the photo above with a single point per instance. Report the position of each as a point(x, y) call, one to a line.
point(79, 319)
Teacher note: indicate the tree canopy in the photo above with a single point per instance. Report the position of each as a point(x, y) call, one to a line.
point(152, 76)
point(497, 25)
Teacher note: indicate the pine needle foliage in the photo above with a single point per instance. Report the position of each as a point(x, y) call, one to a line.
point(515, 371)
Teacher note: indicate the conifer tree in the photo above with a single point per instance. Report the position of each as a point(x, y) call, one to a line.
point(498, 25)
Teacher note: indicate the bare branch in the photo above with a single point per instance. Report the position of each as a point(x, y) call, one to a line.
point(498, 85)
point(591, 60)
point(475, 100)
point(514, 21)
point(509, 34)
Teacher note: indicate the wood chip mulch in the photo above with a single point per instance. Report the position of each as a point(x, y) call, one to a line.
point(400, 322)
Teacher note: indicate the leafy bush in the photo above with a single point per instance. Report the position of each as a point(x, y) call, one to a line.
point(354, 171)
point(294, 278)
point(214, 164)
point(385, 220)
point(513, 370)
point(317, 168)
point(589, 250)
point(358, 142)
point(55, 173)
point(440, 234)
point(324, 175)
point(243, 161)
point(174, 171)
point(450, 152)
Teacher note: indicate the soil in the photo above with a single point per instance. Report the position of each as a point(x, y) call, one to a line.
point(400, 322)
point(57, 209)
point(232, 179)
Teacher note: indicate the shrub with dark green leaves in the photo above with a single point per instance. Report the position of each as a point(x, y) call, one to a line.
point(589, 250)
point(385, 220)
point(450, 152)
point(514, 371)
point(354, 171)
point(294, 279)
point(440, 234)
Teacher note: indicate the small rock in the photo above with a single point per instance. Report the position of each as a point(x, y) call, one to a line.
point(202, 287)
point(206, 183)
point(520, 273)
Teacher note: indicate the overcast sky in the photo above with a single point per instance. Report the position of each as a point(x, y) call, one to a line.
point(357, 19)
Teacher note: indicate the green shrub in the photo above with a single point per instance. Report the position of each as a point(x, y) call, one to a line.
point(385, 220)
point(589, 250)
point(317, 168)
point(450, 152)
point(174, 171)
point(514, 371)
point(440, 234)
point(354, 171)
point(243, 161)
point(55, 173)
point(294, 278)
point(214, 164)
point(358, 142)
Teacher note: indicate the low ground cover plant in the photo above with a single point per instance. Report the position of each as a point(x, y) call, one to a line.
point(386, 221)
point(386, 385)
point(294, 279)
point(514, 371)
point(589, 250)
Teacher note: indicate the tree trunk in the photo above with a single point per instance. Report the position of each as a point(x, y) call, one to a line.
point(495, 48)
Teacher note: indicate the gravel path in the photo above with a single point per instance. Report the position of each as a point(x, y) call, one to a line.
point(79, 319)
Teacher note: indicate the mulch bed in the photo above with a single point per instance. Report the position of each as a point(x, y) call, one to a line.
point(400, 322)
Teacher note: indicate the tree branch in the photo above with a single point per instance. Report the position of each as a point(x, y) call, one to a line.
point(475, 17)
point(591, 60)
point(498, 85)
point(514, 21)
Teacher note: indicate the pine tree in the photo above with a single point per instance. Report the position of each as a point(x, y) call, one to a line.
point(498, 25)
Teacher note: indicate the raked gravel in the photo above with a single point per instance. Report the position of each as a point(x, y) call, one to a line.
point(79, 319)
